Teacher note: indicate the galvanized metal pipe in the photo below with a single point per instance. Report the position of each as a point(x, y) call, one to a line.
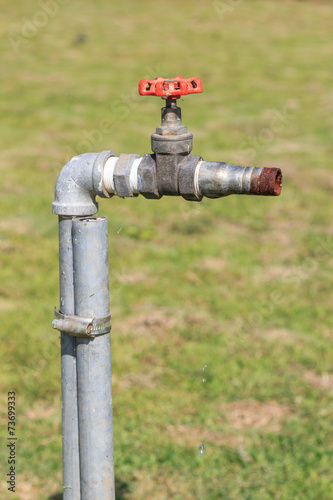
point(91, 283)
point(70, 440)
point(215, 179)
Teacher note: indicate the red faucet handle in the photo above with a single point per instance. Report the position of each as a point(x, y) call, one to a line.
point(170, 88)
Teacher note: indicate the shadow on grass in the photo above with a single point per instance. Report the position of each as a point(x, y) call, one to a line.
point(122, 488)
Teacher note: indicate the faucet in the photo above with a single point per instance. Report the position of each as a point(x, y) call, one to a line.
point(84, 318)
point(170, 171)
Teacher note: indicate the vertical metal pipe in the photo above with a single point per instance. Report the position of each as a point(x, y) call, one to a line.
point(91, 283)
point(70, 440)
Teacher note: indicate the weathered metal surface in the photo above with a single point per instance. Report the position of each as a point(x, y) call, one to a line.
point(78, 183)
point(91, 284)
point(122, 173)
point(147, 179)
point(172, 144)
point(267, 183)
point(171, 120)
point(70, 433)
point(218, 179)
point(81, 327)
point(167, 168)
point(187, 178)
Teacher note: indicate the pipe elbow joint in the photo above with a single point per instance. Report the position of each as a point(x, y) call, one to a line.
point(78, 183)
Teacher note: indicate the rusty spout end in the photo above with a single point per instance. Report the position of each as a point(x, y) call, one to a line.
point(267, 183)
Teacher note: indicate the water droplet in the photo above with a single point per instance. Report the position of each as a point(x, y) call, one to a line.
point(202, 449)
point(204, 380)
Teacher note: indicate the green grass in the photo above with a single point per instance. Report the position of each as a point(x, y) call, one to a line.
point(242, 284)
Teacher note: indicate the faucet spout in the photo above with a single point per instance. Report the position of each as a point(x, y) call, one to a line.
point(217, 179)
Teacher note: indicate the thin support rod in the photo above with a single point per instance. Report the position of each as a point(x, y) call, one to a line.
point(91, 283)
point(70, 440)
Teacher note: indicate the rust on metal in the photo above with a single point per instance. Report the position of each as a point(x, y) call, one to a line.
point(267, 183)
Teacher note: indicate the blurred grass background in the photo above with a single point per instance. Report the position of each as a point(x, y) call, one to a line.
point(236, 292)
